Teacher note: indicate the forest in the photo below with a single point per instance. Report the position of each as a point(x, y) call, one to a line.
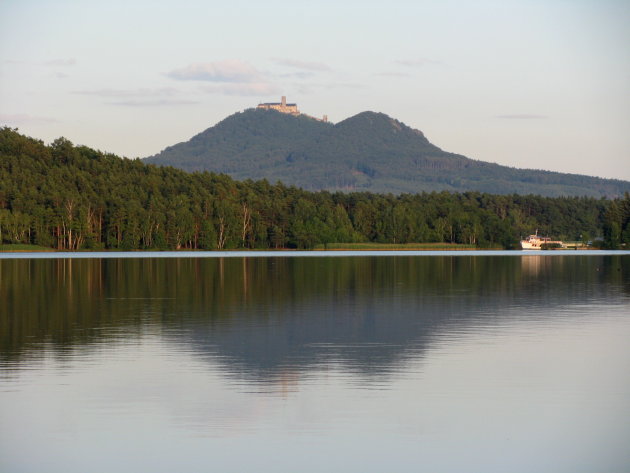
point(71, 197)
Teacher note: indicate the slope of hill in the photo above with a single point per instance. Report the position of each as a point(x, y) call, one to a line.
point(367, 152)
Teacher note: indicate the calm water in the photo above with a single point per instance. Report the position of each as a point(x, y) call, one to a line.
point(398, 363)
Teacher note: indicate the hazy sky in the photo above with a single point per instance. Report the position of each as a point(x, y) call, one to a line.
point(538, 83)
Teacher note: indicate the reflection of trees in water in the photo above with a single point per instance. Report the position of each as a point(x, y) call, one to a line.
point(267, 316)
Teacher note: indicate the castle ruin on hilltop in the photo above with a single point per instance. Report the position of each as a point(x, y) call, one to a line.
point(289, 108)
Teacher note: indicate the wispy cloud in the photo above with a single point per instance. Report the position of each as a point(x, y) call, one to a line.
point(343, 85)
point(229, 77)
point(153, 103)
point(24, 119)
point(57, 67)
point(311, 87)
point(419, 62)
point(392, 74)
point(298, 64)
point(297, 75)
point(522, 116)
point(244, 89)
point(231, 70)
point(122, 93)
point(61, 62)
point(144, 97)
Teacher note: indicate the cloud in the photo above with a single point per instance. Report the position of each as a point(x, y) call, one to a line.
point(522, 116)
point(61, 62)
point(231, 70)
point(243, 89)
point(297, 75)
point(122, 93)
point(308, 88)
point(306, 65)
point(153, 103)
point(24, 119)
point(139, 97)
point(418, 62)
point(392, 74)
point(230, 77)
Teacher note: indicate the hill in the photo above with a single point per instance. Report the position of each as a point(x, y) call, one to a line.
point(367, 152)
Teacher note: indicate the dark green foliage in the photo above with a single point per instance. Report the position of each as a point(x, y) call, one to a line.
point(617, 224)
point(72, 197)
point(367, 152)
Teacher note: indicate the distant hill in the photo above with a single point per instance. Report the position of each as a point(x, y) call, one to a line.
point(367, 152)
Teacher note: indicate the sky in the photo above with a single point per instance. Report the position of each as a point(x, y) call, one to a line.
point(541, 84)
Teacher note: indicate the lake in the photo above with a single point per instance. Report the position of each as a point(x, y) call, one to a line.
point(318, 361)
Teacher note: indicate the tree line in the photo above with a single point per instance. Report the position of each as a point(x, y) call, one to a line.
point(73, 198)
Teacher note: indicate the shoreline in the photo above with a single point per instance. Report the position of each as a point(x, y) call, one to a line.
point(293, 250)
point(301, 254)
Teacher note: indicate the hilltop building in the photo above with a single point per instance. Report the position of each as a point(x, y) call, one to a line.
point(283, 107)
point(290, 108)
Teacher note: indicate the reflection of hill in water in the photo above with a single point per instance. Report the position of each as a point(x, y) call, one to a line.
point(262, 317)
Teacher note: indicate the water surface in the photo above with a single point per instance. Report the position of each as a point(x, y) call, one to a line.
point(466, 362)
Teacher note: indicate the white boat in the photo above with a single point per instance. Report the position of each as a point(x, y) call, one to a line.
point(535, 242)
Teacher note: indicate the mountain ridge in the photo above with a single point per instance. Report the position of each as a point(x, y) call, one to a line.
point(369, 151)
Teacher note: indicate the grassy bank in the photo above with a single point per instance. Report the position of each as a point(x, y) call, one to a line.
point(396, 246)
point(22, 247)
point(329, 246)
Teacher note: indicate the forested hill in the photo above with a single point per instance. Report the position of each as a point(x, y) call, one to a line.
point(73, 197)
point(367, 152)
